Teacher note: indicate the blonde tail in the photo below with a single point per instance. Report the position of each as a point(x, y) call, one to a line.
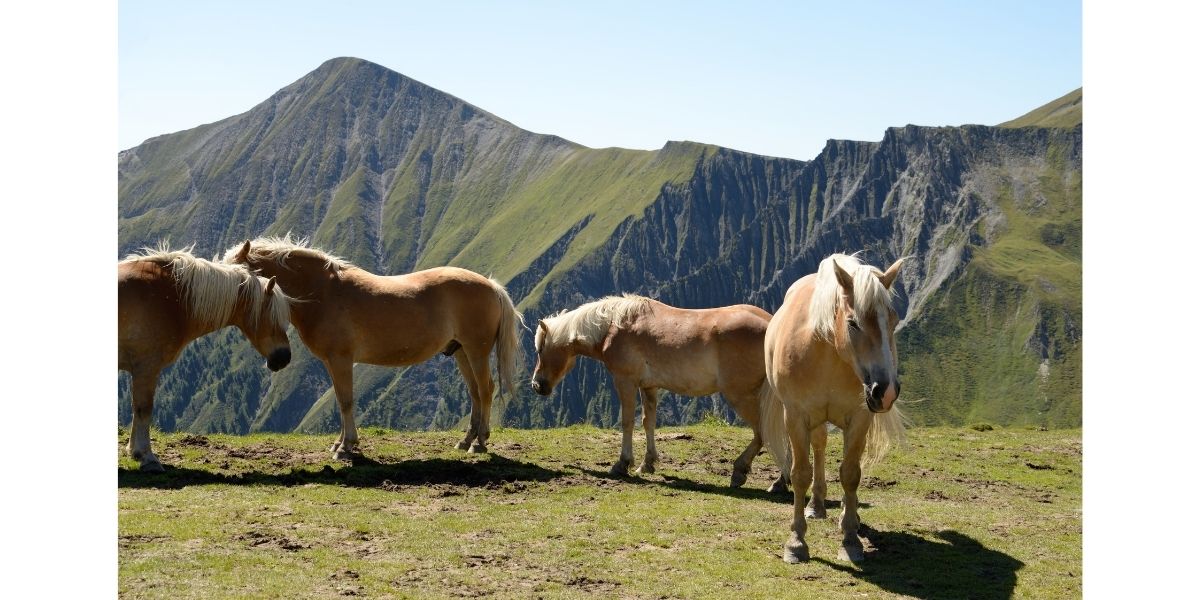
point(774, 429)
point(508, 341)
point(886, 432)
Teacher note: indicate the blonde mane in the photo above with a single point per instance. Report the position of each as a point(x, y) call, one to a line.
point(212, 289)
point(590, 322)
point(279, 249)
point(870, 297)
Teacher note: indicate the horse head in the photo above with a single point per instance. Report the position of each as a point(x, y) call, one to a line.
point(554, 360)
point(265, 321)
point(866, 330)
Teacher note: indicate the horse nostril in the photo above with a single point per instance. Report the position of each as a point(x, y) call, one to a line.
point(279, 359)
point(877, 391)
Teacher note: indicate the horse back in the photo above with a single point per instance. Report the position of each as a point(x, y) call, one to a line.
point(693, 351)
point(424, 310)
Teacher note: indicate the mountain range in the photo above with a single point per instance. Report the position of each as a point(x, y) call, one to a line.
point(395, 176)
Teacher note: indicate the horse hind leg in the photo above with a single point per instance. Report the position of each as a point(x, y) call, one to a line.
point(485, 387)
point(816, 504)
point(142, 392)
point(342, 373)
point(468, 375)
point(746, 407)
point(649, 418)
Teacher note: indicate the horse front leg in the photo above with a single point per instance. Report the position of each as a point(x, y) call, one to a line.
point(854, 442)
point(649, 417)
point(816, 505)
point(142, 392)
point(627, 393)
point(795, 549)
point(342, 373)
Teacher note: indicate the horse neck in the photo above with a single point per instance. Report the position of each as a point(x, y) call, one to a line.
point(593, 350)
point(305, 279)
point(241, 316)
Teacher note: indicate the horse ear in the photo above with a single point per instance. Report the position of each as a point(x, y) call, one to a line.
point(270, 285)
point(844, 278)
point(545, 328)
point(243, 254)
point(889, 277)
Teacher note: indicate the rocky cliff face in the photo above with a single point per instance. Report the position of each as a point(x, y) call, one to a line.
point(985, 266)
point(395, 176)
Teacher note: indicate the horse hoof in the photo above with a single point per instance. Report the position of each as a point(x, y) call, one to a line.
point(811, 512)
point(646, 469)
point(621, 468)
point(477, 448)
point(463, 445)
point(343, 454)
point(778, 487)
point(335, 447)
point(152, 467)
point(737, 480)
point(795, 552)
point(852, 553)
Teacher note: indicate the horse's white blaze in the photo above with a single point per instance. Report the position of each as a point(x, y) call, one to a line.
point(889, 395)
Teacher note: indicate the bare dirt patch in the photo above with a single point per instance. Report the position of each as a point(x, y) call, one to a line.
point(258, 539)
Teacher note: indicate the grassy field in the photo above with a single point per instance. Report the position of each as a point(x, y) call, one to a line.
point(959, 513)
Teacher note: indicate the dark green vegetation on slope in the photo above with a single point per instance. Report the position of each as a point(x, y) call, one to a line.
point(958, 514)
point(397, 176)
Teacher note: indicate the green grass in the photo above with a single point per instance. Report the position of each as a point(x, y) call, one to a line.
point(959, 513)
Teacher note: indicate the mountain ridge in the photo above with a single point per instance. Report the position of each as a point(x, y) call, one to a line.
point(396, 176)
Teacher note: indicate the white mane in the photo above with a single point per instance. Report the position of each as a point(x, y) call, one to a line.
point(211, 289)
point(870, 297)
point(590, 322)
point(280, 248)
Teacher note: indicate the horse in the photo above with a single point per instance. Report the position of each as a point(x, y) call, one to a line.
point(346, 315)
point(647, 345)
point(167, 298)
point(830, 355)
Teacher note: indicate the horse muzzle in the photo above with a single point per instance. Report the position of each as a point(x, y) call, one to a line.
point(881, 397)
point(541, 388)
point(279, 359)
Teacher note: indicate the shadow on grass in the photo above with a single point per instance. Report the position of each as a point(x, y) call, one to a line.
point(364, 473)
point(952, 566)
point(682, 483)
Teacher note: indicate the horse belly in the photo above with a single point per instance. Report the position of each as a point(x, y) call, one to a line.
point(397, 354)
point(684, 377)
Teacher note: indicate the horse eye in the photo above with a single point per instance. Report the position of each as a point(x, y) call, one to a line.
point(853, 324)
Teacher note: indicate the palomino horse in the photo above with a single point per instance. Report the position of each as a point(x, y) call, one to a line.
point(166, 299)
point(346, 315)
point(647, 345)
point(831, 357)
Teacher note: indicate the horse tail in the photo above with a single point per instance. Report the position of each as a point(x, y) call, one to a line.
point(774, 428)
point(886, 431)
point(508, 340)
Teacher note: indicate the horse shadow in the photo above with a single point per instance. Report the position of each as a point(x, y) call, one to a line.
point(363, 472)
point(691, 485)
point(952, 566)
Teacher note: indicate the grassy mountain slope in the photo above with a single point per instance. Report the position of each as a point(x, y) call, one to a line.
point(1065, 112)
point(397, 176)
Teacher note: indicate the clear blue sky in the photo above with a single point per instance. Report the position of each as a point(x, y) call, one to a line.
point(775, 78)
